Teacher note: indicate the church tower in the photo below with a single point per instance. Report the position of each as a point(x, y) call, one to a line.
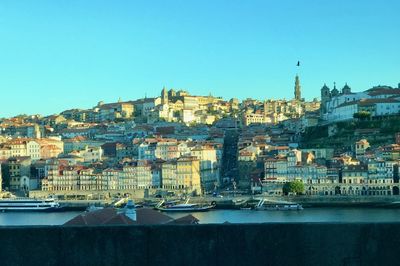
point(325, 97)
point(164, 96)
point(297, 91)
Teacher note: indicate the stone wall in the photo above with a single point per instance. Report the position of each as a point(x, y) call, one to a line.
point(226, 244)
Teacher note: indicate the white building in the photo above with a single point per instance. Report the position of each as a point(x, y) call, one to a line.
point(89, 154)
point(378, 101)
point(33, 149)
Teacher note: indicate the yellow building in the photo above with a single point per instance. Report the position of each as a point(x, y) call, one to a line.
point(188, 174)
point(182, 174)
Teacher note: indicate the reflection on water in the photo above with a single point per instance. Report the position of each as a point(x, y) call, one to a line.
point(318, 215)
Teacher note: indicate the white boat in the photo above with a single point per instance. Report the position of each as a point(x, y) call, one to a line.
point(28, 204)
point(269, 205)
point(184, 207)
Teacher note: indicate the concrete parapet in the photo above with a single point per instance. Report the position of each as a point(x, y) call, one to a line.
point(224, 244)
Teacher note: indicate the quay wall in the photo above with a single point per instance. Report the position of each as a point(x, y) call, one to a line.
point(343, 201)
point(91, 194)
point(222, 244)
point(234, 202)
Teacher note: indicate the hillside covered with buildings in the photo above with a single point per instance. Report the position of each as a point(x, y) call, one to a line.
point(346, 143)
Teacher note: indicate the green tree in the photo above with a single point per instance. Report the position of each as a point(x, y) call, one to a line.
point(296, 187)
point(363, 115)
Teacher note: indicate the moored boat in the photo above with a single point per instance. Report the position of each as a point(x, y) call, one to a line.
point(28, 204)
point(268, 205)
point(183, 207)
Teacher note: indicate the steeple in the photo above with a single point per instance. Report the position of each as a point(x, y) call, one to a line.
point(297, 91)
point(164, 96)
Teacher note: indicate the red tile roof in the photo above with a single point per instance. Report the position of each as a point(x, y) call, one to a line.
point(110, 216)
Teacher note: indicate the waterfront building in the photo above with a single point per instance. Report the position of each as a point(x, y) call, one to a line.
point(112, 178)
point(16, 173)
point(188, 174)
point(182, 174)
point(156, 174)
point(209, 166)
point(144, 175)
point(168, 175)
point(354, 178)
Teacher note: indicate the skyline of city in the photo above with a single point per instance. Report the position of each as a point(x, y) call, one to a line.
point(213, 132)
point(296, 91)
point(85, 53)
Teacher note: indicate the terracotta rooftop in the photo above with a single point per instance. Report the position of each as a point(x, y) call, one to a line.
point(110, 216)
point(188, 219)
point(382, 91)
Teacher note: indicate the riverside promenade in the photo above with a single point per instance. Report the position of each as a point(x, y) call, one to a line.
point(80, 199)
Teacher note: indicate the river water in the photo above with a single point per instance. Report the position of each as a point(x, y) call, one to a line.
point(317, 215)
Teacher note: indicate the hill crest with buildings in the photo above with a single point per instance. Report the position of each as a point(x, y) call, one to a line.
point(194, 145)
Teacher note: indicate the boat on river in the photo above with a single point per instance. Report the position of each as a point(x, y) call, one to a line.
point(28, 204)
point(273, 205)
point(183, 207)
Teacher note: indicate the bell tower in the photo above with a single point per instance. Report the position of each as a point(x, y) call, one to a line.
point(164, 96)
point(297, 89)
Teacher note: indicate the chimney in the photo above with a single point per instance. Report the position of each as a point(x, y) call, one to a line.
point(130, 210)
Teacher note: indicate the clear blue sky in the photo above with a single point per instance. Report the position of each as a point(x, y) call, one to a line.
point(56, 55)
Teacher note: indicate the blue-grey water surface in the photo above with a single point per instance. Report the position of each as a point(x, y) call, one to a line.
point(320, 215)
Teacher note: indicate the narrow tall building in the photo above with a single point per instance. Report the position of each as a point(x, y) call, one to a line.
point(297, 91)
point(164, 96)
